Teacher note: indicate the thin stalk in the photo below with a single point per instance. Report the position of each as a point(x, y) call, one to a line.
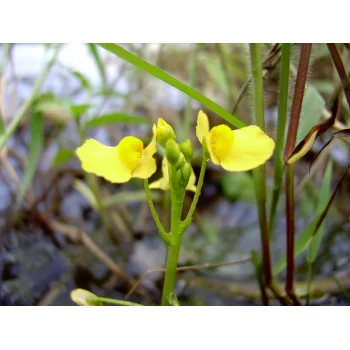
point(6, 51)
point(289, 171)
point(113, 302)
point(259, 173)
point(193, 78)
point(25, 106)
point(166, 236)
point(188, 219)
point(281, 130)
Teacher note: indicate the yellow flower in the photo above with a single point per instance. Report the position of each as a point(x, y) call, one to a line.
point(235, 150)
point(163, 183)
point(120, 163)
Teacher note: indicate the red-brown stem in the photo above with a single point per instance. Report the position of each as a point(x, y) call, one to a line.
point(289, 174)
point(297, 99)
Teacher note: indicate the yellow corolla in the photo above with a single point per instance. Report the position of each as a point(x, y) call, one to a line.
point(235, 150)
point(120, 163)
point(163, 183)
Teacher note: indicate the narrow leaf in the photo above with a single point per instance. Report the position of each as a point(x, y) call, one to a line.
point(99, 64)
point(160, 74)
point(35, 149)
point(115, 118)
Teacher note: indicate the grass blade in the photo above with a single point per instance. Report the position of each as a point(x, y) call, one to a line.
point(99, 64)
point(114, 118)
point(169, 79)
point(35, 149)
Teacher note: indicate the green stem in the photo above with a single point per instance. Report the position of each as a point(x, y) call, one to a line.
point(166, 236)
point(281, 131)
point(193, 77)
point(158, 73)
point(173, 250)
point(259, 173)
point(23, 109)
point(113, 301)
point(188, 219)
point(177, 195)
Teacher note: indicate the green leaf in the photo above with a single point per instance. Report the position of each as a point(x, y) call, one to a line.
point(35, 149)
point(304, 240)
point(160, 74)
point(63, 156)
point(215, 71)
point(99, 64)
point(311, 111)
point(323, 199)
point(114, 118)
point(78, 110)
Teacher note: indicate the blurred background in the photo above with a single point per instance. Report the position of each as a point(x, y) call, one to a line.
point(61, 229)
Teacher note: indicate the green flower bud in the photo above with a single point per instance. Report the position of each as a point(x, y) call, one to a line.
point(83, 297)
point(172, 152)
point(185, 174)
point(164, 132)
point(187, 149)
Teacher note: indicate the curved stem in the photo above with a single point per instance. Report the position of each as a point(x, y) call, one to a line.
point(166, 236)
point(188, 219)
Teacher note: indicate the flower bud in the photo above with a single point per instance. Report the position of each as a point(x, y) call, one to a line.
point(164, 132)
point(172, 152)
point(83, 297)
point(187, 149)
point(186, 172)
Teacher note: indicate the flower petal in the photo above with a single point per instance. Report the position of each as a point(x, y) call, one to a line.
point(202, 128)
point(147, 165)
point(202, 132)
point(191, 183)
point(251, 147)
point(221, 140)
point(163, 182)
point(103, 161)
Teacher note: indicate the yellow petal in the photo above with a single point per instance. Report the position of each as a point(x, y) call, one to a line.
point(251, 147)
point(191, 183)
point(147, 164)
point(202, 128)
point(130, 151)
point(221, 140)
point(163, 182)
point(202, 132)
point(103, 161)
